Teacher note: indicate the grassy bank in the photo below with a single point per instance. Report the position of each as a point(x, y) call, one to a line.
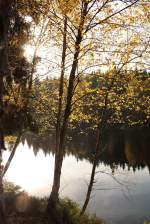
point(24, 209)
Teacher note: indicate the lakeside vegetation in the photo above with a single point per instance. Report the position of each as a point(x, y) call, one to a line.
point(22, 208)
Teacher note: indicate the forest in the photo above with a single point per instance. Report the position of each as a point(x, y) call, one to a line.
point(74, 82)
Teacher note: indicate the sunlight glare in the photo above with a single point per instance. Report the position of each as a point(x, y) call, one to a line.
point(27, 170)
point(29, 52)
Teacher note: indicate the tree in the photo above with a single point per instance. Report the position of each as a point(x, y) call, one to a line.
point(113, 97)
point(105, 101)
point(15, 78)
point(81, 29)
point(4, 12)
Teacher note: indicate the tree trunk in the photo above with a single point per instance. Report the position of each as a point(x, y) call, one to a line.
point(53, 200)
point(12, 154)
point(90, 187)
point(3, 219)
point(98, 146)
point(61, 130)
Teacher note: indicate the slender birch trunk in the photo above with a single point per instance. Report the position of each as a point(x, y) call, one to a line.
point(98, 152)
point(61, 129)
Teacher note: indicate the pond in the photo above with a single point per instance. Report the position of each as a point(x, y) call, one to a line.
point(121, 193)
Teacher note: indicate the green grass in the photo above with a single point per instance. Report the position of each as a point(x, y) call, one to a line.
point(72, 211)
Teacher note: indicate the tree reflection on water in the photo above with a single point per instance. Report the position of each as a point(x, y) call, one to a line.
point(122, 148)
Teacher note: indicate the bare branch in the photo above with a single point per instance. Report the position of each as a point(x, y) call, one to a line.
point(110, 16)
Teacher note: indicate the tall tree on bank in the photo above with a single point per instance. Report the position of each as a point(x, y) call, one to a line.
point(81, 20)
point(61, 126)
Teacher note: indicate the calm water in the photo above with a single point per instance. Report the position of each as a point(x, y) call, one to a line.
point(121, 194)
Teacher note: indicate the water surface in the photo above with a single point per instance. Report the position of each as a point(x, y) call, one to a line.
point(121, 193)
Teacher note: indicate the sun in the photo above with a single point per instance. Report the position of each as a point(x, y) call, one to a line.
point(29, 52)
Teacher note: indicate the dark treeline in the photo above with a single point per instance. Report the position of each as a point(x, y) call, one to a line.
point(123, 148)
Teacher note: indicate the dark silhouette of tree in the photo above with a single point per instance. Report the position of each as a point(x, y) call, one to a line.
point(15, 78)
